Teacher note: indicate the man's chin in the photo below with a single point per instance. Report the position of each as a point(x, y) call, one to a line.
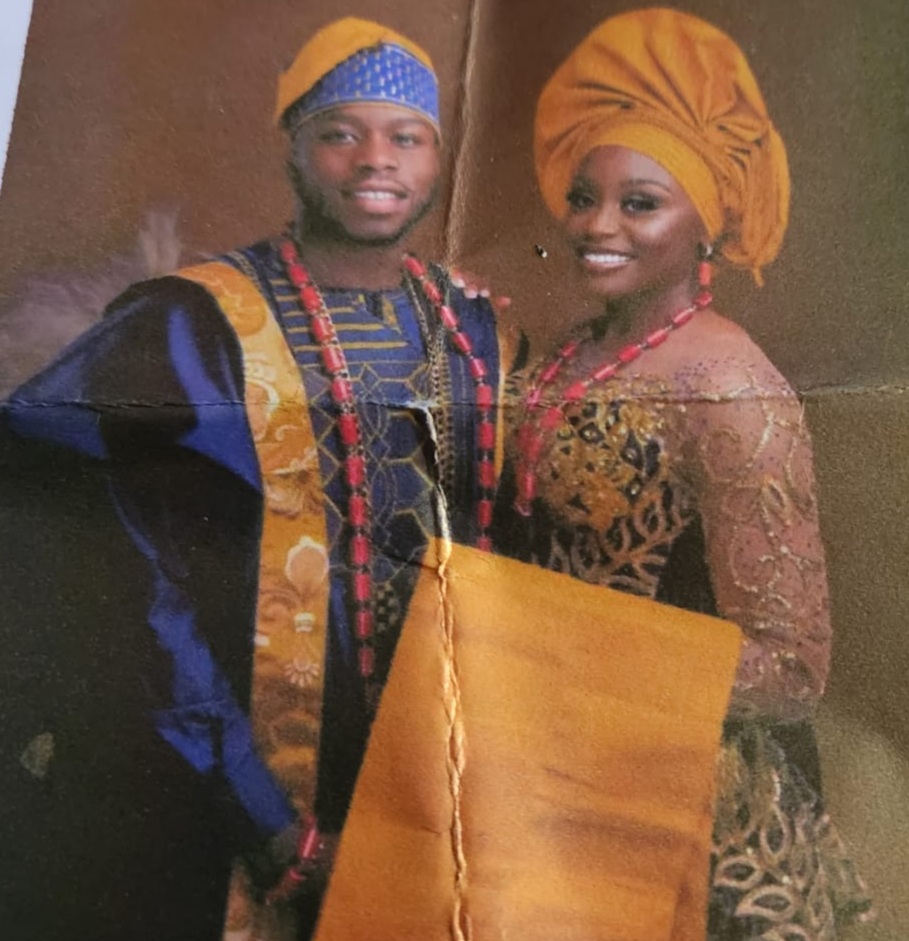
point(360, 230)
point(376, 236)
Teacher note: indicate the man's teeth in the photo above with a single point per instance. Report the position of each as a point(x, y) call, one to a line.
point(605, 258)
point(375, 194)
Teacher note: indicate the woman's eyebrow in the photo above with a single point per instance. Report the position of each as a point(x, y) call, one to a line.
point(642, 181)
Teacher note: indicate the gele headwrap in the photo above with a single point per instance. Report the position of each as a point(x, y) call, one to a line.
point(355, 61)
point(678, 90)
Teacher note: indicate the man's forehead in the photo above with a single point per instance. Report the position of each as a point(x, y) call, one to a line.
point(371, 113)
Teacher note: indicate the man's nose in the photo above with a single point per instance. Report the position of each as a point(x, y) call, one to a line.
point(377, 152)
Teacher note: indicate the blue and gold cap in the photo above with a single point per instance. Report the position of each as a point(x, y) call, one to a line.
point(355, 61)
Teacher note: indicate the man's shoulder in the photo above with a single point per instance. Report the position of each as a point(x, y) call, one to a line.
point(188, 288)
point(260, 260)
point(153, 308)
point(148, 324)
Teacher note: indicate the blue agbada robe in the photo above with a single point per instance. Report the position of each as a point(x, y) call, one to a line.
point(130, 491)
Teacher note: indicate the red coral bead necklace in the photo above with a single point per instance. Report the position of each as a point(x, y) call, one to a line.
point(541, 417)
point(358, 508)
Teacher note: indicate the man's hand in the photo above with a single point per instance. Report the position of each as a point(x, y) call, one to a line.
point(304, 858)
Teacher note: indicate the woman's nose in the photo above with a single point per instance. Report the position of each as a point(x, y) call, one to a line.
point(603, 220)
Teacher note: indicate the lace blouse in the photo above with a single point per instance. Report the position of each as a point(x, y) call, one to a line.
point(722, 446)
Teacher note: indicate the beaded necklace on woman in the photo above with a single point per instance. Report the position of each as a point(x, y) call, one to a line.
point(541, 416)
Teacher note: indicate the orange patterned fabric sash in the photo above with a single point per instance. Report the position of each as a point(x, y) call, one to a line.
point(292, 611)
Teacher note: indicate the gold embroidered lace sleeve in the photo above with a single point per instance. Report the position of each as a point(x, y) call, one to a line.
point(748, 454)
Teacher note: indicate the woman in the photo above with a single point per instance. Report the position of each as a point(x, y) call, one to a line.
point(659, 451)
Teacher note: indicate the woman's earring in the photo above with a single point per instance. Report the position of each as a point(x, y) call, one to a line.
point(705, 275)
point(705, 268)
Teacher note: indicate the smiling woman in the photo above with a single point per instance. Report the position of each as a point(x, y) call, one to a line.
point(659, 452)
point(632, 227)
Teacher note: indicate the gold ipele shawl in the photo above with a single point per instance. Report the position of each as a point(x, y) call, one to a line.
point(541, 767)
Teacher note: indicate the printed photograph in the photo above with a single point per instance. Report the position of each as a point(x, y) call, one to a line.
point(452, 472)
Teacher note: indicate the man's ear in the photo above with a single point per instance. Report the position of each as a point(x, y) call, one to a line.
point(293, 173)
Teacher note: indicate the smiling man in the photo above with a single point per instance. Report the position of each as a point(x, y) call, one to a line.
point(267, 442)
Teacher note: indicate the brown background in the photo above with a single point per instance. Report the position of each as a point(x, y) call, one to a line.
point(128, 105)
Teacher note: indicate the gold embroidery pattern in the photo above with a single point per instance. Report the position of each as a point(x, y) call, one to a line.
point(753, 469)
point(780, 869)
point(293, 568)
point(607, 480)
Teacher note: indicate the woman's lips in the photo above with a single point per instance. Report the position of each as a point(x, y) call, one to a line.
point(603, 260)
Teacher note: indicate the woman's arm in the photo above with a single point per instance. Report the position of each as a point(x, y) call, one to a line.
point(752, 467)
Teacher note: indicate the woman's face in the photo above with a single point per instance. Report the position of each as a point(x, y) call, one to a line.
point(632, 227)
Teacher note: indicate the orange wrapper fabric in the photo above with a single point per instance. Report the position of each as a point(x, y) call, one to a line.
point(541, 767)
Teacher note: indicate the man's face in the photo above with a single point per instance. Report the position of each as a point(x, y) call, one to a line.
point(364, 174)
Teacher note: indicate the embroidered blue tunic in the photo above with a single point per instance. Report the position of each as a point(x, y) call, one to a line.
point(414, 398)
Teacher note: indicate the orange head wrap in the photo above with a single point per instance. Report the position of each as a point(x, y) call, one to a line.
point(678, 90)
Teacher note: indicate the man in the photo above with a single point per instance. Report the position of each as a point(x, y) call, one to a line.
point(250, 458)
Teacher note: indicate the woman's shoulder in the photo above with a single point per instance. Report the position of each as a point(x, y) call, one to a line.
point(718, 358)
